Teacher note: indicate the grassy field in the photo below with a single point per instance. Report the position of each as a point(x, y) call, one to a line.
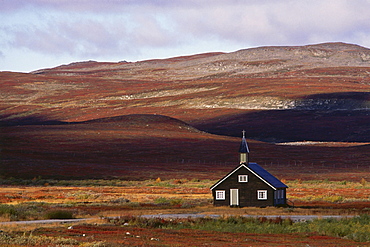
point(100, 200)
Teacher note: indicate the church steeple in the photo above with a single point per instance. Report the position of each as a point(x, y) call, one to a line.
point(244, 150)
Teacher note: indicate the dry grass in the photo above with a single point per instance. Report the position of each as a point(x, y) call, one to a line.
point(174, 196)
point(183, 196)
point(149, 190)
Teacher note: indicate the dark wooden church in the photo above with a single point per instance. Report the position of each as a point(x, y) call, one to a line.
point(248, 185)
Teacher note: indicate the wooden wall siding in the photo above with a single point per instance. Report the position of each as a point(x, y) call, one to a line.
point(247, 191)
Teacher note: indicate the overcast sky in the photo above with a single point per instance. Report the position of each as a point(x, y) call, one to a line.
point(37, 34)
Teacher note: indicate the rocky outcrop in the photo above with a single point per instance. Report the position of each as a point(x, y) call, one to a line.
point(275, 103)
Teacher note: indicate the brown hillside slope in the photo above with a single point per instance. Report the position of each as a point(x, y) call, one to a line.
point(277, 94)
point(151, 146)
point(329, 81)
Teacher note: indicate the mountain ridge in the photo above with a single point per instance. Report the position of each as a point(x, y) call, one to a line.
point(245, 62)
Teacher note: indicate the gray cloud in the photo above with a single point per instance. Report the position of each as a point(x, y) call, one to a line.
point(130, 28)
point(92, 38)
point(279, 22)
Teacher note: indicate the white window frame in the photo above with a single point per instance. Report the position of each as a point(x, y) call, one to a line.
point(262, 194)
point(220, 195)
point(243, 178)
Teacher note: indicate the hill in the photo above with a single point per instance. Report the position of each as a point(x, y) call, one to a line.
point(150, 146)
point(100, 113)
point(253, 62)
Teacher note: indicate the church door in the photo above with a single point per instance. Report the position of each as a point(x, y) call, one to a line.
point(234, 197)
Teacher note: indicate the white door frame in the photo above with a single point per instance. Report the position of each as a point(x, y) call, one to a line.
point(232, 199)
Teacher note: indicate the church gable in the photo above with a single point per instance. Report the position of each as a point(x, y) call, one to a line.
point(261, 175)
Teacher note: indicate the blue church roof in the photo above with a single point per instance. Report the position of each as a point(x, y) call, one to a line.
point(266, 176)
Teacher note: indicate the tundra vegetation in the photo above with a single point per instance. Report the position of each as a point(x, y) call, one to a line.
point(306, 107)
point(117, 206)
